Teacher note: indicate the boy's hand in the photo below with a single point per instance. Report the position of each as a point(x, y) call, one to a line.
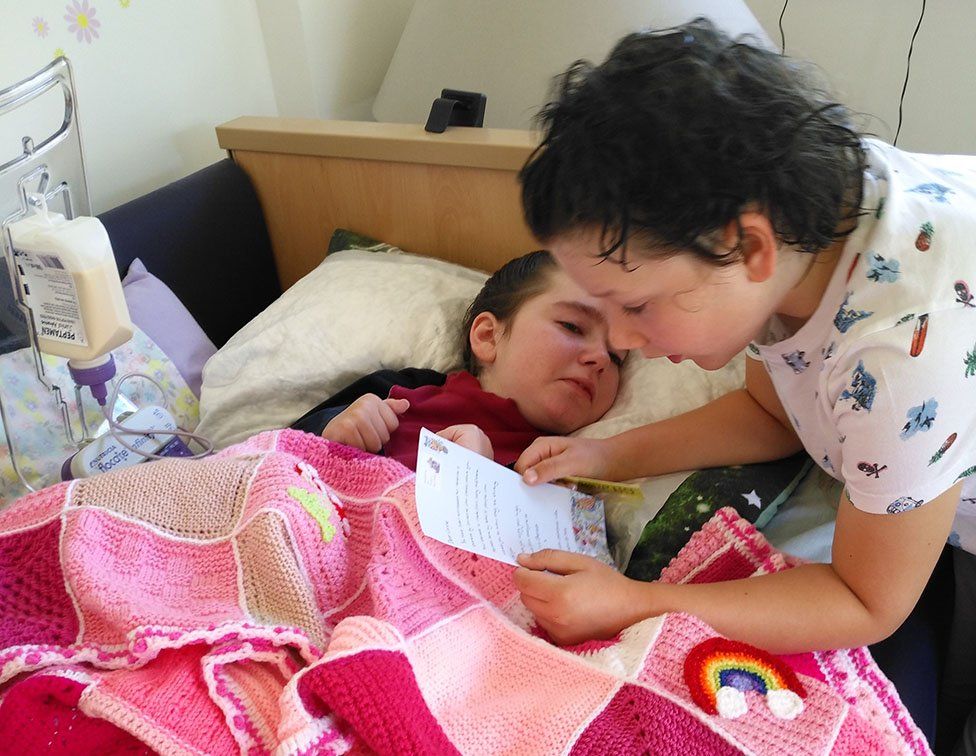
point(470, 437)
point(366, 423)
point(552, 457)
point(576, 598)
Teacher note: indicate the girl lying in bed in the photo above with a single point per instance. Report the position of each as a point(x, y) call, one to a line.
point(538, 362)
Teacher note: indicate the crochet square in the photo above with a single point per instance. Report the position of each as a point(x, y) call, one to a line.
point(36, 606)
point(125, 576)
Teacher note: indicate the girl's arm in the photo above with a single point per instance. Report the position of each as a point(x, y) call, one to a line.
point(741, 427)
point(880, 565)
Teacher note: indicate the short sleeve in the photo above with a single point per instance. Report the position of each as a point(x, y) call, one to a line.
point(772, 332)
point(905, 410)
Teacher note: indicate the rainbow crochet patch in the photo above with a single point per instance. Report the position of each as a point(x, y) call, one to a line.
point(719, 672)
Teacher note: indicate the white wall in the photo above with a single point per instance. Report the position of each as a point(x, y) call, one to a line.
point(151, 86)
point(161, 75)
point(862, 47)
point(350, 44)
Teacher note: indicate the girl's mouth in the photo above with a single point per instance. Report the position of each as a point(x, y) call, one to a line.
point(584, 388)
point(675, 358)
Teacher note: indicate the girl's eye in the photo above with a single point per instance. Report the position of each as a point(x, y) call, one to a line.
point(571, 327)
point(616, 359)
point(634, 310)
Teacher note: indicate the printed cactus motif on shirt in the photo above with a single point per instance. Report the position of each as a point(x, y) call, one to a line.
point(846, 317)
point(882, 270)
point(862, 390)
point(924, 239)
point(920, 418)
point(970, 362)
point(795, 360)
point(938, 192)
point(904, 504)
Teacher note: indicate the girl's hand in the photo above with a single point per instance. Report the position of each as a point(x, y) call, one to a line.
point(366, 423)
point(554, 457)
point(470, 437)
point(576, 598)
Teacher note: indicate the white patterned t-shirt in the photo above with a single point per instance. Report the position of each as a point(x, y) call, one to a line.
point(880, 383)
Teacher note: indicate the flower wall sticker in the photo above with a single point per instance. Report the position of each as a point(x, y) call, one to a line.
point(40, 26)
point(81, 21)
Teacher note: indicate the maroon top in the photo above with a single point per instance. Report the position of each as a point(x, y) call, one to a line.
point(460, 400)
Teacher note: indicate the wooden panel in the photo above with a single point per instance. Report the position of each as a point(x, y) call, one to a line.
point(505, 149)
point(467, 215)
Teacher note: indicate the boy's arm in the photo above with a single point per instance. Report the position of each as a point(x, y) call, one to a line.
point(744, 426)
point(880, 565)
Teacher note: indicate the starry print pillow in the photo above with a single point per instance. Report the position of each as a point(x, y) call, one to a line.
point(755, 491)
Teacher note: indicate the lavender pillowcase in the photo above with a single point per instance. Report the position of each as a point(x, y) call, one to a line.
point(159, 313)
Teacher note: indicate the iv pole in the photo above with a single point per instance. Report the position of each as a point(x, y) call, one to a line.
point(53, 168)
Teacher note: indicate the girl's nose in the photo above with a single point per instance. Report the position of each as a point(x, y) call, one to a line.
point(597, 355)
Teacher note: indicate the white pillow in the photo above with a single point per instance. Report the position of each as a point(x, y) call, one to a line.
point(652, 390)
point(357, 312)
point(361, 311)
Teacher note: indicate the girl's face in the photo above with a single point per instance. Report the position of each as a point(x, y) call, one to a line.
point(677, 307)
point(553, 358)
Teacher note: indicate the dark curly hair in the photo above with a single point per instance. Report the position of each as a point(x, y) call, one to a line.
point(681, 130)
point(504, 293)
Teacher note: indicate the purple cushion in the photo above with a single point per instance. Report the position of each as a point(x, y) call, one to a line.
point(159, 313)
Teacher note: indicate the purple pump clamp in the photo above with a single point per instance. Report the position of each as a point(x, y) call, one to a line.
point(95, 378)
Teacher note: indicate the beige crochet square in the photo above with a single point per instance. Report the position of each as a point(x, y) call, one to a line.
point(276, 589)
point(193, 499)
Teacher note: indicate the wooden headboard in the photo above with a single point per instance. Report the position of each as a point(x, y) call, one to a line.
point(454, 196)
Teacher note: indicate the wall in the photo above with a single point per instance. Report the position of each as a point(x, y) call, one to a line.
point(159, 76)
point(328, 59)
point(862, 47)
point(151, 85)
point(156, 77)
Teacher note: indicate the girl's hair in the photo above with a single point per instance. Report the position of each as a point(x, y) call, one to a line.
point(504, 293)
point(678, 132)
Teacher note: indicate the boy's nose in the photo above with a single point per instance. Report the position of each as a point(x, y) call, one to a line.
point(622, 337)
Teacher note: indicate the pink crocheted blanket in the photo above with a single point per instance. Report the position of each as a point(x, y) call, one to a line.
point(280, 597)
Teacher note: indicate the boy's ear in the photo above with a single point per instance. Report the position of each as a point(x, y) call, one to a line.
point(485, 332)
point(759, 247)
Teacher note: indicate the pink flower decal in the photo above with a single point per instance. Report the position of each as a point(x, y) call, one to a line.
point(81, 20)
point(40, 26)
